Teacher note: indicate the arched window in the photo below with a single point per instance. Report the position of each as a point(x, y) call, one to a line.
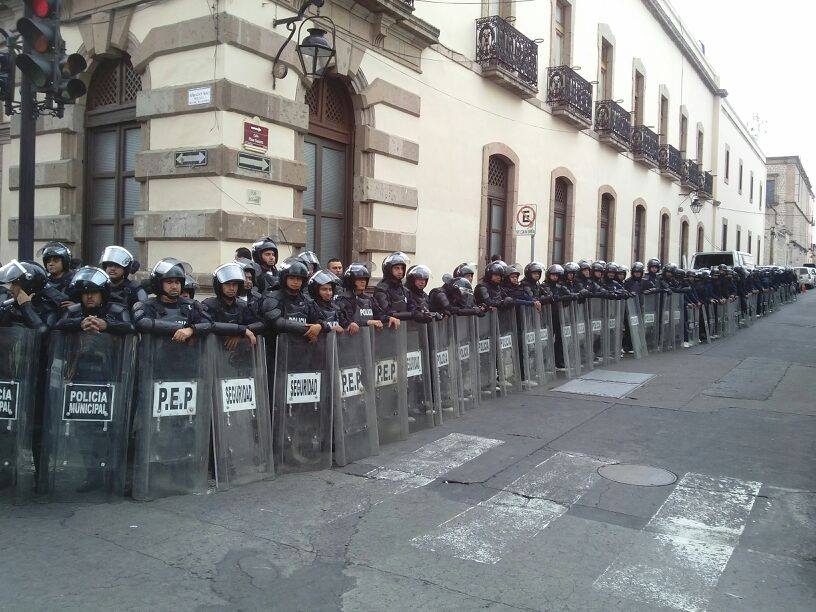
point(684, 238)
point(639, 234)
point(664, 237)
point(724, 237)
point(327, 152)
point(606, 227)
point(700, 238)
point(562, 195)
point(497, 177)
point(113, 138)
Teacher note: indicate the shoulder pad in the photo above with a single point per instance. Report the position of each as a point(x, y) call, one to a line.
point(382, 285)
point(75, 308)
point(115, 308)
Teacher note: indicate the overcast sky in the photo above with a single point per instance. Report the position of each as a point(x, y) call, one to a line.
point(765, 55)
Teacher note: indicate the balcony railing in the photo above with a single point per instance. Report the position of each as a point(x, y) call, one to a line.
point(707, 189)
point(408, 3)
point(693, 176)
point(507, 56)
point(671, 164)
point(613, 124)
point(645, 146)
point(570, 95)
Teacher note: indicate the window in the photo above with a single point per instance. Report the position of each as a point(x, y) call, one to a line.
point(497, 175)
point(683, 135)
point(739, 184)
point(758, 253)
point(700, 141)
point(560, 52)
point(639, 233)
point(724, 238)
point(684, 238)
point(749, 241)
point(637, 99)
point(700, 238)
point(739, 238)
point(605, 71)
point(664, 237)
point(605, 227)
point(113, 139)
point(560, 233)
point(770, 192)
point(760, 194)
point(727, 163)
point(751, 188)
point(664, 120)
point(326, 151)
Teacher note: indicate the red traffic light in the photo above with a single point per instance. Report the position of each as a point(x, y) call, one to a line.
point(42, 8)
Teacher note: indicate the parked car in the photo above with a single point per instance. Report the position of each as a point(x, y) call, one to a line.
point(708, 259)
point(806, 276)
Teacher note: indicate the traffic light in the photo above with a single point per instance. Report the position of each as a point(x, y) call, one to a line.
point(8, 72)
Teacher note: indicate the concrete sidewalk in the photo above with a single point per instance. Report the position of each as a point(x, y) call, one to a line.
point(503, 508)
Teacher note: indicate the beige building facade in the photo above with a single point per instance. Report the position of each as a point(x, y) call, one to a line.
point(436, 123)
point(789, 213)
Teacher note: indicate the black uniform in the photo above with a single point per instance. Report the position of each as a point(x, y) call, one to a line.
point(285, 313)
point(115, 315)
point(161, 319)
point(392, 298)
point(31, 315)
point(127, 293)
point(358, 308)
point(231, 319)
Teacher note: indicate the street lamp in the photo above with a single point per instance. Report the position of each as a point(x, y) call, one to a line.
point(315, 51)
point(696, 205)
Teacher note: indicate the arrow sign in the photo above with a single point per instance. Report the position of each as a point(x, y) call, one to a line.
point(254, 162)
point(191, 158)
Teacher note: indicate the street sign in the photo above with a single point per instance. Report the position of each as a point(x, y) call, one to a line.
point(186, 159)
point(525, 220)
point(253, 162)
point(256, 137)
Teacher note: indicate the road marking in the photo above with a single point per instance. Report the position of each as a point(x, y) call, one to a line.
point(684, 548)
point(485, 532)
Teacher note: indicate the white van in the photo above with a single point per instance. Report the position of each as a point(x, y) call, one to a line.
point(708, 259)
point(806, 276)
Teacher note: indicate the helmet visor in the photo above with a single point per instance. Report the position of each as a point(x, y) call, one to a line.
point(116, 255)
point(11, 271)
point(229, 272)
point(165, 268)
point(89, 275)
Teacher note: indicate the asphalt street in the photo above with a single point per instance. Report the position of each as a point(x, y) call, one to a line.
point(504, 508)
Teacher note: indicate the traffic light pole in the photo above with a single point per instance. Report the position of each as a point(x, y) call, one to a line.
point(28, 139)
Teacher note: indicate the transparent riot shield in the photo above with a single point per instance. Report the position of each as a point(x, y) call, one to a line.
point(650, 307)
point(87, 415)
point(583, 338)
point(531, 348)
point(546, 337)
point(19, 369)
point(242, 423)
point(303, 399)
point(678, 323)
point(443, 366)
point(614, 310)
point(467, 369)
point(390, 347)
point(752, 309)
point(728, 318)
point(705, 329)
point(691, 326)
point(355, 412)
point(419, 381)
point(666, 335)
point(487, 330)
point(634, 324)
point(598, 330)
point(507, 358)
point(565, 341)
point(172, 420)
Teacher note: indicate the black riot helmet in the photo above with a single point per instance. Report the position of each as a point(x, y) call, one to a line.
point(311, 261)
point(320, 278)
point(292, 268)
point(584, 264)
point(459, 288)
point(56, 249)
point(166, 268)
point(495, 267)
point(89, 278)
point(612, 267)
point(190, 286)
point(599, 266)
point(121, 257)
point(653, 263)
point(704, 273)
point(555, 269)
point(263, 244)
point(228, 273)
point(394, 259)
point(31, 277)
point(571, 268)
point(251, 266)
point(637, 267)
point(416, 273)
point(463, 269)
point(354, 272)
point(531, 268)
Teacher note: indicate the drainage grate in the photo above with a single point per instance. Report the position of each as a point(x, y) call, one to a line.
point(633, 378)
point(605, 383)
point(640, 475)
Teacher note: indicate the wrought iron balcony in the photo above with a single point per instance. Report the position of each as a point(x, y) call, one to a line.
point(645, 146)
point(570, 96)
point(507, 57)
point(613, 124)
point(671, 164)
point(693, 176)
point(707, 190)
point(408, 3)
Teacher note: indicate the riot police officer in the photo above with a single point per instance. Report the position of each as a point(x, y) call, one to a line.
point(356, 308)
point(265, 254)
point(489, 292)
point(311, 261)
point(252, 272)
point(465, 270)
point(519, 292)
point(560, 293)
point(390, 294)
point(96, 312)
point(418, 301)
point(118, 263)
point(56, 258)
point(653, 275)
point(231, 316)
point(533, 272)
point(189, 288)
point(455, 298)
point(168, 313)
point(322, 287)
point(636, 283)
point(25, 307)
point(287, 310)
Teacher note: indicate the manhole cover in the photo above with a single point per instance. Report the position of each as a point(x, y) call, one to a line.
point(640, 475)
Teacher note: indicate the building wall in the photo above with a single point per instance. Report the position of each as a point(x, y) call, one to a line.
point(426, 121)
point(790, 221)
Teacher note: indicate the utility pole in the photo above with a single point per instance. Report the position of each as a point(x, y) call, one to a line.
point(28, 139)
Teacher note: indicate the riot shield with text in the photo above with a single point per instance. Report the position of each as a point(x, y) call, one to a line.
point(733, 316)
point(705, 323)
point(303, 399)
point(598, 330)
point(173, 416)
point(752, 309)
point(419, 379)
point(507, 358)
point(678, 325)
point(87, 415)
point(531, 347)
point(546, 335)
point(650, 307)
point(614, 316)
point(634, 323)
point(19, 369)
point(390, 384)
point(666, 333)
point(487, 330)
point(443, 366)
point(242, 423)
point(565, 341)
point(691, 325)
point(467, 369)
point(583, 336)
point(355, 412)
